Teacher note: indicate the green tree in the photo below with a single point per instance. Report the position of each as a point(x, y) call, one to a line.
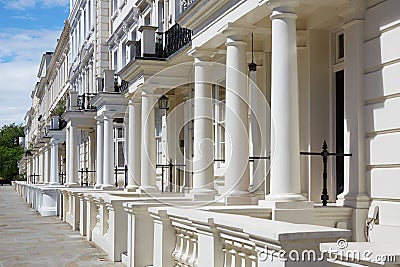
point(10, 150)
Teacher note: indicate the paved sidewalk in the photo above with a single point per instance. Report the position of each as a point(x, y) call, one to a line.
point(27, 239)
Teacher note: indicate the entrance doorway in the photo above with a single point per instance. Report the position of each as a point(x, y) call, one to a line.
point(339, 131)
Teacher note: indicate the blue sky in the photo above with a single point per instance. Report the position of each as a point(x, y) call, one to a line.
point(28, 28)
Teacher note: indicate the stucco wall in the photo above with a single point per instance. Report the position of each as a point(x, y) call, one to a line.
point(382, 95)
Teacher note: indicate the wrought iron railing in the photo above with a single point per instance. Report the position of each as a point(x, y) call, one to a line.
point(120, 86)
point(118, 171)
point(83, 101)
point(159, 45)
point(138, 49)
point(170, 167)
point(325, 154)
point(85, 179)
point(176, 38)
point(62, 178)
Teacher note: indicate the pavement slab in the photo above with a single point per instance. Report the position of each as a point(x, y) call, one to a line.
point(28, 239)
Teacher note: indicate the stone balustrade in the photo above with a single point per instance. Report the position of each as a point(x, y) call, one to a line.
point(204, 238)
point(43, 198)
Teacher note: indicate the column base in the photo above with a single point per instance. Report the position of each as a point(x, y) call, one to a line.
point(148, 189)
point(287, 197)
point(108, 187)
point(131, 188)
point(202, 194)
point(241, 200)
point(54, 184)
point(290, 211)
point(71, 185)
point(359, 201)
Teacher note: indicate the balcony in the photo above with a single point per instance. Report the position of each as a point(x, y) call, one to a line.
point(83, 101)
point(157, 45)
point(173, 40)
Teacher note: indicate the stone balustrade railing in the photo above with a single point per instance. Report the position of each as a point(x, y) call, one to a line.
point(204, 238)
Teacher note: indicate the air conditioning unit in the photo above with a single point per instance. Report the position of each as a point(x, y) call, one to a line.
point(54, 123)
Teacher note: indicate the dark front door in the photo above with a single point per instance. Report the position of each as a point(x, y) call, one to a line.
point(339, 131)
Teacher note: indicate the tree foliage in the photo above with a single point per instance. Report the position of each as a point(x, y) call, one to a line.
point(59, 109)
point(10, 150)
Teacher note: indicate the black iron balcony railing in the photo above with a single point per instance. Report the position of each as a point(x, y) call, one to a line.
point(83, 101)
point(174, 39)
point(138, 49)
point(120, 86)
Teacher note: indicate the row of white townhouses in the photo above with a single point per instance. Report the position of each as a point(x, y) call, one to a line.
point(222, 132)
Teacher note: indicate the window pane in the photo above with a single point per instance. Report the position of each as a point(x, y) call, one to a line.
point(341, 46)
point(120, 133)
point(121, 159)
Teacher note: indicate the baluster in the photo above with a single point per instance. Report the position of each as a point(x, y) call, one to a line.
point(194, 253)
point(188, 246)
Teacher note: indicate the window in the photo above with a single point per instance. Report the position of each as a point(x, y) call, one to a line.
point(119, 147)
point(219, 124)
point(83, 153)
point(159, 114)
point(115, 5)
point(115, 59)
point(339, 46)
point(123, 63)
point(132, 47)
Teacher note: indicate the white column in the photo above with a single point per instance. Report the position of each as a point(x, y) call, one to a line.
point(41, 165)
point(54, 180)
point(108, 161)
point(67, 157)
point(355, 175)
point(285, 151)
point(72, 164)
point(148, 152)
point(99, 152)
point(237, 178)
point(134, 148)
point(203, 143)
point(46, 168)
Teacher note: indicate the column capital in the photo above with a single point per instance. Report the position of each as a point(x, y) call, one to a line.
point(282, 5)
point(108, 115)
point(202, 54)
point(236, 35)
point(134, 101)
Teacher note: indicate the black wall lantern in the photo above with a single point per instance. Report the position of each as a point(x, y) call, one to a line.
point(163, 102)
point(252, 65)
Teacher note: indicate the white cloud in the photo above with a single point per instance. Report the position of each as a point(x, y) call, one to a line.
point(25, 4)
point(18, 77)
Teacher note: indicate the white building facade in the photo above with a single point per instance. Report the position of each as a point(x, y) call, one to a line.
point(254, 112)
